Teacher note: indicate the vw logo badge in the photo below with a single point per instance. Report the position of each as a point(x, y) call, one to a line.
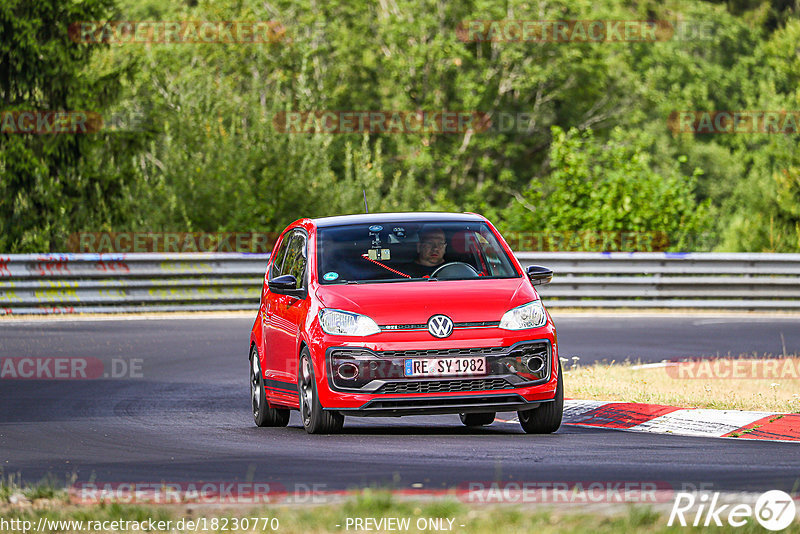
point(440, 326)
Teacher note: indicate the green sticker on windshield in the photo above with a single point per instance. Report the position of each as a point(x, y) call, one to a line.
point(330, 276)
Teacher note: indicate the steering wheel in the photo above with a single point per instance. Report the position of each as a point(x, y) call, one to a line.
point(455, 270)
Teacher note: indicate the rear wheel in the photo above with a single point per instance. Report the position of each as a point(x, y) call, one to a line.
point(263, 413)
point(477, 419)
point(546, 418)
point(315, 419)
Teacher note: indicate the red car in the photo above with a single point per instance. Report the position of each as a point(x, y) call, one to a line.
point(402, 314)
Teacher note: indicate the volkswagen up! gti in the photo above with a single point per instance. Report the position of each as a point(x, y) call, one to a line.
point(402, 314)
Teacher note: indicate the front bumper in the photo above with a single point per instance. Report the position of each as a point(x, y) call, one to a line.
point(384, 390)
point(395, 407)
point(384, 371)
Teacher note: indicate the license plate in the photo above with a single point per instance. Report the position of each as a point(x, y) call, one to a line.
point(445, 366)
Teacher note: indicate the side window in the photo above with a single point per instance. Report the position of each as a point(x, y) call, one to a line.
point(277, 262)
point(295, 263)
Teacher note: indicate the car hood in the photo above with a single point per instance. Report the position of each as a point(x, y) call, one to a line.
point(415, 302)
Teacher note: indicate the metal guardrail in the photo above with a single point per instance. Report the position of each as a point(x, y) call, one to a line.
point(100, 283)
point(114, 283)
point(670, 280)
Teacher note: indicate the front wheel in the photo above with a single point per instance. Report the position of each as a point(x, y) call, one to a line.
point(546, 418)
point(315, 419)
point(263, 413)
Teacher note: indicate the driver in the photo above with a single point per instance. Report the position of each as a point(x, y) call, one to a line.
point(430, 253)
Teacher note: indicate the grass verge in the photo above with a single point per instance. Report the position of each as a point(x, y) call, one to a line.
point(757, 384)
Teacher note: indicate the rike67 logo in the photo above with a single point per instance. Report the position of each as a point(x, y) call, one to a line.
point(774, 510)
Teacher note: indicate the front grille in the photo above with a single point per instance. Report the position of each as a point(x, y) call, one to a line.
point(443, 353)
point(424, 326)
point(444, 404)
point(443, 386)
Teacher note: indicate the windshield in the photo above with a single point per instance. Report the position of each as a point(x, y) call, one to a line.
point(410, 251)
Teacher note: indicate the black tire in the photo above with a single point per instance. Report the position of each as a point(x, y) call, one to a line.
point(477, 419)
point(546, 418)
point(263, 413)
point(315, 419)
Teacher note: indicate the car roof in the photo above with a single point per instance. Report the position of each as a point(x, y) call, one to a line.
point(426, 216)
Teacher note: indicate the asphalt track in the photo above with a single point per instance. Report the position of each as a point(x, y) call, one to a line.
point(187, 418)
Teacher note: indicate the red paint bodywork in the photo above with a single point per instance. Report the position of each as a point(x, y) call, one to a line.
point(296, 323)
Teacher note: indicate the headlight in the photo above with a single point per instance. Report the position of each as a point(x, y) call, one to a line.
point(530, 315)
point(342, 323)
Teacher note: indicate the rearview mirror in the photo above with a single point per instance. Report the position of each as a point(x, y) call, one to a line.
point(539, 275)
point(286, 285)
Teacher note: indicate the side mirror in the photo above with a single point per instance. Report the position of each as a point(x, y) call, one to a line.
point(286, 285)
point(539, 275)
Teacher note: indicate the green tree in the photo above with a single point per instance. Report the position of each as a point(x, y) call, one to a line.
point(761, 215)
point(47, 190)
point(205, 153)
point(612, 186)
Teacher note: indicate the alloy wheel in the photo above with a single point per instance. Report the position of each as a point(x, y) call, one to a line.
point(255, 384)
point(306, 390)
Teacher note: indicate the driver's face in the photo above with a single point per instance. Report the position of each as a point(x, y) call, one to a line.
point(431, 248)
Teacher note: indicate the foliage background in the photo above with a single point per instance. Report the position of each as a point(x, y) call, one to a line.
point(193, 147)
